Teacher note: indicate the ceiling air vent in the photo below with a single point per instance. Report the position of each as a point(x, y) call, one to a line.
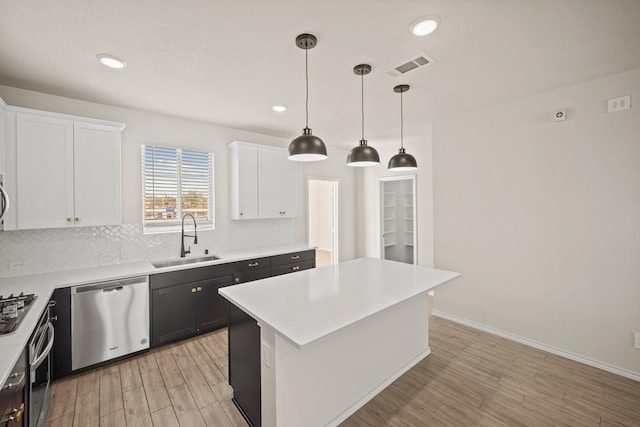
point(413, 64)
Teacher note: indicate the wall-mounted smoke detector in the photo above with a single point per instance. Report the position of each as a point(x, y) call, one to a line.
point(419, 61)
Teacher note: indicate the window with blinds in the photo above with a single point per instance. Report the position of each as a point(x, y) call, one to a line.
point(176, 182)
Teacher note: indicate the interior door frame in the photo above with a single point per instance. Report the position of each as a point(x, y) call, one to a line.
point(335, 211)
point(381, 180)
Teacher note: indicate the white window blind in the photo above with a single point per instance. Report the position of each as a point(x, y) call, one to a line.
point(176, 182)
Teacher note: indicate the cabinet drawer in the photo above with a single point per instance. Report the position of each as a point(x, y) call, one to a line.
point(292, 268)
point(252, 265)
point(294, 257)
point(162, 280)
point(251, 275)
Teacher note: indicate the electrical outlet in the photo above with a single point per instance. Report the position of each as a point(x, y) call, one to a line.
point(265, 354)
point(560, 115)
point(636, 344)
point(619, 104)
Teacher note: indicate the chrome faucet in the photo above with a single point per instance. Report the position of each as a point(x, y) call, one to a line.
point(195, 235)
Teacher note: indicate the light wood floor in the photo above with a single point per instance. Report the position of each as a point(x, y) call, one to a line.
point(471, 379)
point(178, 385)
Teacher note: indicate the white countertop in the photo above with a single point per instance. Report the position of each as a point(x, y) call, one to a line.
point(308, 305)
point(44, 284)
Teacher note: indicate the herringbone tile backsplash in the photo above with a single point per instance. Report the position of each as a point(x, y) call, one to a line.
point(56, 249)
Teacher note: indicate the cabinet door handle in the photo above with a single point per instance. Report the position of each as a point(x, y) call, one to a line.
point(253, 264)
point(9, 386)
point(295, 256)
point(237, 280)
point(77, 219)
point(241, 213)
point(199, 289)
point(69, 219)
point(193, 290)
point(14, 415)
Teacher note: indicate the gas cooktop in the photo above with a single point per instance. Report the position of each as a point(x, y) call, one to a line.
point(12, 311)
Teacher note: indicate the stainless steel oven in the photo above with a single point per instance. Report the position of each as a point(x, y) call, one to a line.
point(40, 347)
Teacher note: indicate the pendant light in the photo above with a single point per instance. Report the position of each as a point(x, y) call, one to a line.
point(402, 161)
point(307, 148)
point(363, 155)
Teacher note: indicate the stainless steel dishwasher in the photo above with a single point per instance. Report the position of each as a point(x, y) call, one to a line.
point(109, 320)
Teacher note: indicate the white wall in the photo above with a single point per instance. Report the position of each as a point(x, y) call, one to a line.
point(543, 219)
point(146, 127)
point(369, 230)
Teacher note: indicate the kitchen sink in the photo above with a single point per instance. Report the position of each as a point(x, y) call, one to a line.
point(184, 261)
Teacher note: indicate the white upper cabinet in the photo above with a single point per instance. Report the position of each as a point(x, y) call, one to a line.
point(44, 172)
point(264, 179)
point(243, 160)
point(96, 166)
point(66, 170)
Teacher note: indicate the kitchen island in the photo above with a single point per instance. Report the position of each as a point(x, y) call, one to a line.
point(312, 347)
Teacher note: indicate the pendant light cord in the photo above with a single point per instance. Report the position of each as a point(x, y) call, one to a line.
point(362, 102)
point(306, 76)
point(401, 123)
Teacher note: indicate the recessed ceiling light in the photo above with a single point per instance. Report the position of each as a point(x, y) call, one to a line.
point(279, 108)
point(111, 61)
point(424, 25)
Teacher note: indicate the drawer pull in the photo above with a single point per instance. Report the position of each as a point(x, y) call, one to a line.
point(14, 415)
point(9, 386)
point(199, 289)
point(295, 256)
point(237, 280)
point(193, 290)
point(295, 268)
point(253, 264)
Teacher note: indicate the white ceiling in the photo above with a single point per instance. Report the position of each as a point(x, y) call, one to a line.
point(229, 61)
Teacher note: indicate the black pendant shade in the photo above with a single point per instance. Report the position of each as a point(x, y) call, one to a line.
point(402, 161)
point(307, 147)
point(363, 155)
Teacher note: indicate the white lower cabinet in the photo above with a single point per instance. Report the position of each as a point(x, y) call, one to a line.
point(67, 171)
point(264, 183)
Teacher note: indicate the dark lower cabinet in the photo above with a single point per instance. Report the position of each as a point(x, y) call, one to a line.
point(61, 320)
point(211, 308)
point(185, 303)
point(244, 364)
point(14, 395)
point(173, 314)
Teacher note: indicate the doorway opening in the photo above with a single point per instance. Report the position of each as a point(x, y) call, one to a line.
point(398, 230)
point(322, 219)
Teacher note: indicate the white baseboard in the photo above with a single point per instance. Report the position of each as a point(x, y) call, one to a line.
point(531, 343)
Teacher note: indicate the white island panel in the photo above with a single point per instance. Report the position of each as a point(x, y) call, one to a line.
point(330, 379)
